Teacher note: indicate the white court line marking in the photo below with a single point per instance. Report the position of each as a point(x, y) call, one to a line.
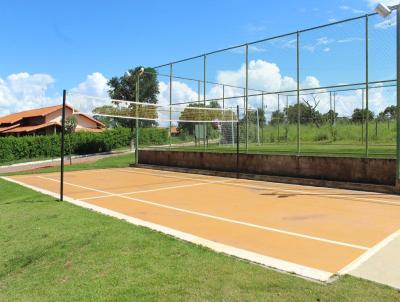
point(272, 188)
point(338, 196)
point(158, 189)
point(78, 186)
point(174, 176)
point(288, 190)
point(160, 175)
point(270, 229)
point(368, 254)
point(290, 267)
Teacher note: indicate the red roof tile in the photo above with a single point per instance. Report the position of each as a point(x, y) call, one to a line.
point(16, 117)
point(2, 129)
point(27, 129)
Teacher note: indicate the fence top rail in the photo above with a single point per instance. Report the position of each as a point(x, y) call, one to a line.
point(268, 39)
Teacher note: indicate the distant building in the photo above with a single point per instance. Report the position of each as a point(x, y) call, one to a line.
point(45, 121)
point(173, 130)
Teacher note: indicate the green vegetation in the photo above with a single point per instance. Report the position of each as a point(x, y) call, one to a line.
point(56, 251)
point(116, 161)
point(379, 132)
point(125, 88)
point(14, 149)
point(346, 138)
point(31, 147)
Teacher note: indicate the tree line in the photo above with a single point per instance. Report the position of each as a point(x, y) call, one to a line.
point(309, 114)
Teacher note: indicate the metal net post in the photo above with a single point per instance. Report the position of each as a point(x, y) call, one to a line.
point(298, 89)
point(204, 98)
point(170, 103)
point(398, 96)
point(366, 85)
point(247, 97)
point(137, 121)
point(62, 145)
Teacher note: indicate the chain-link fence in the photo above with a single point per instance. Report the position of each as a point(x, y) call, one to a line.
point(328, 90)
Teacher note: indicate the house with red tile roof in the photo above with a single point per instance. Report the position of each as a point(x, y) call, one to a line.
point(46, 120)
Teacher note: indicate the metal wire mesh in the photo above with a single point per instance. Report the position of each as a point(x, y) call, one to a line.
point(327, 90)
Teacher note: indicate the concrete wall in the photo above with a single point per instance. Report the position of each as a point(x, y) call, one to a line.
point(358, 170)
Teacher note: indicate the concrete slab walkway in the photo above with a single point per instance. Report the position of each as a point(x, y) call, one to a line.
point(33, 165)
point(384, 266)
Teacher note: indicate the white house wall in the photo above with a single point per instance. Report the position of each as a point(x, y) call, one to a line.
point(82, 121)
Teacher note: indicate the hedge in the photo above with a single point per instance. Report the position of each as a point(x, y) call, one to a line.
point(42, 146)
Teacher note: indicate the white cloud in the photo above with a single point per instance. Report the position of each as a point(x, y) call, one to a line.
point(255, 28)
point(388, 22)
point(349, 40)
point(374, 3)
point(181, 93)
point(262, 75)
point(95, 84)
point(351, 9)
point(26, 91)
point(242, 49)
point(23, 91)
point(320, 42)
point(81, 97)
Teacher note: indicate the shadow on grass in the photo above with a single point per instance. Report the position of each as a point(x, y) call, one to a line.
point(29, 201)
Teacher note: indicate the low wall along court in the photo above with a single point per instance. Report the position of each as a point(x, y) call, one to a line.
point(311, 169)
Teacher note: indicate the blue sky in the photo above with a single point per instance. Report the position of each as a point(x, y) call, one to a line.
point(51, 45)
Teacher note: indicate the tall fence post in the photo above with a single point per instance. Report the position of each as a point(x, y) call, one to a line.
point(263, 120)
point(137, 121)
point(366, 84)
point(298, 90)
point(237, 140)
point(398, 97)
point(62, 145)
point(197, 140)
point(170, 103)
point(287, 119)
point(223, 96)
point(204, 98)
point(330, 109)
point(198, 92)
point(362, 115)
point(247, 97)
point(334, 109)
point(279, 118)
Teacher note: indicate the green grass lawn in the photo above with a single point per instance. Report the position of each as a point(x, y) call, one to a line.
point(117, 161)
point(53, 251)
point(25, 160)
point(345, 139)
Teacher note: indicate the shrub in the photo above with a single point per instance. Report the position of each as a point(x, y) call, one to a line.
point(321, 136)
point(30, 147)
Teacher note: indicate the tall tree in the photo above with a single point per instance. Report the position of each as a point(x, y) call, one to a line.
point(124, 88)
point(253, 114)
point(360, 115)
point(312, 104)
point(198, 112)
point(305, 113)
point(278, 117)
point(390, 112)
